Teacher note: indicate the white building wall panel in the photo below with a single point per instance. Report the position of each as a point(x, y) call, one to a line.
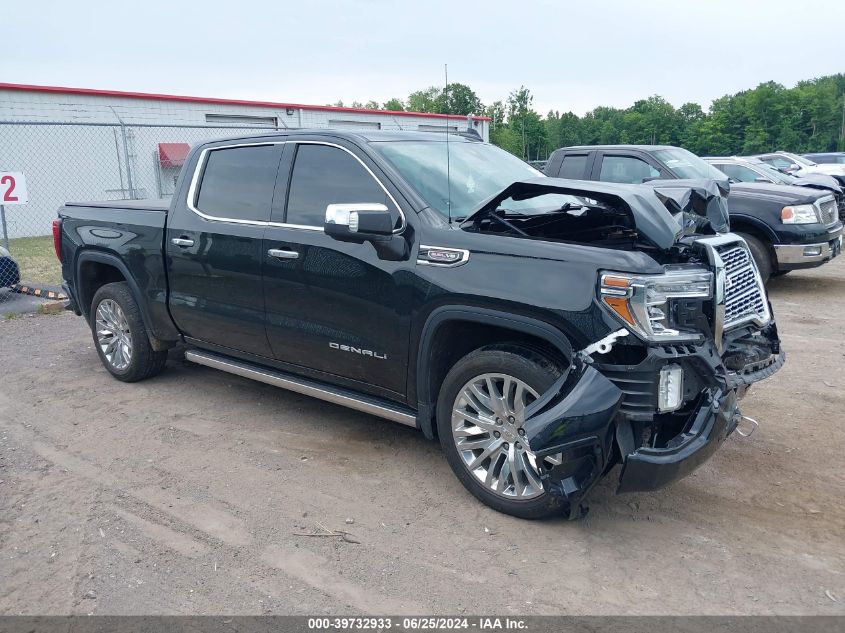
point(80, 151)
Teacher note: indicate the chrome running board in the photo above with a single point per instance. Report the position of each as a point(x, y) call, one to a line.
point(304, 386)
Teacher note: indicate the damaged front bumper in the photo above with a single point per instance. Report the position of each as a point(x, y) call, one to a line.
point(601, 414)
point(710, 423)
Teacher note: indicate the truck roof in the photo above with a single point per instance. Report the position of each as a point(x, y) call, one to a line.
point(646, 148)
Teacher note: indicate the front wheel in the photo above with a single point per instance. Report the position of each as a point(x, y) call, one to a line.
point(480, 415)
point(120, 335)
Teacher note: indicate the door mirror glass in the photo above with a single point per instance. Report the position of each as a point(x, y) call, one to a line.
point(358, 222)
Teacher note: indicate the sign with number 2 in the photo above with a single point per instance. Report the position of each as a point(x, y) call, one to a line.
point(13, 188)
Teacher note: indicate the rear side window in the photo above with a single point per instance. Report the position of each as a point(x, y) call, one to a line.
point(626, 169)
point(573, 166)
point(238, 183)
point(324, 175)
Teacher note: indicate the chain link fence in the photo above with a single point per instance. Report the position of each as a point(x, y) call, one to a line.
point(63, 162)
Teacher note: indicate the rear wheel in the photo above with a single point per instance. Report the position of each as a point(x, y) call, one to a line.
point(480, 417)
point(761, 254)
point(120, 335)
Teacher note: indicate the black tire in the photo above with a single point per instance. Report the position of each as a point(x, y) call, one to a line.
point(144, 361)
point(761, 254)
point(535, 370)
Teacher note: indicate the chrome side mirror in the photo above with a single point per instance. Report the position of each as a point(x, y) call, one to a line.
point(358, 221)
point(361, 222)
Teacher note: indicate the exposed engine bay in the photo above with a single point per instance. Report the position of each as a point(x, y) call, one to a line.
point(628, 217)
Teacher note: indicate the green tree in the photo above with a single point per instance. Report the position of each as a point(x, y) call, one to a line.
point(807, 117)
point(497, 113)
point(527, 124)
point(459, 99)
point(427, 100)
point(397, 105)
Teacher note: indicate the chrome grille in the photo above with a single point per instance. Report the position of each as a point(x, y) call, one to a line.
point(840, 201)
point(828, 213)
point(745, 299)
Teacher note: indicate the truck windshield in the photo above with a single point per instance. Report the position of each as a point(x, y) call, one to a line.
point(801, 160)
point(476, 172)
point(776, 176)
point(685, 164)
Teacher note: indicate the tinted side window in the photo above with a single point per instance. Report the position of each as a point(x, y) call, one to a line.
point(238, 182)
point(324, 175)
point(573, 166)
point(626, 169)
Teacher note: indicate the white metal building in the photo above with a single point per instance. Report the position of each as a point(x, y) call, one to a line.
point(84, 144)
point(50, 103)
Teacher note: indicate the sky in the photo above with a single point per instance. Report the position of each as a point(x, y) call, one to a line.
point(573, 56)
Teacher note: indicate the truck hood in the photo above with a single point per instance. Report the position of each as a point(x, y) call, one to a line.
point(828, 168)
point(780, 194)
point(663, 211)
point(818, 181)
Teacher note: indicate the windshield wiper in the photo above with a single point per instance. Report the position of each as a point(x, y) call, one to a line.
point(494, 215)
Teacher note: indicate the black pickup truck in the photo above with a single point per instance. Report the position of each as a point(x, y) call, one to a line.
point(786, 227)
point(542, 330)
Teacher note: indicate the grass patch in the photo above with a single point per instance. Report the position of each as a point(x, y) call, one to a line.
point(56, 307)
point(37, 259)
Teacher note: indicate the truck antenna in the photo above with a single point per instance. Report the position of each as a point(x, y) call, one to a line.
point(448, 165)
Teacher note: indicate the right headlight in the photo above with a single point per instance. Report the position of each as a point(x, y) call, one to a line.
point(799, 214)
point(644, 302)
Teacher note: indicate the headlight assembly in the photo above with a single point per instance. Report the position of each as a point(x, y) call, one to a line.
point(643, 302)
point(799, 214)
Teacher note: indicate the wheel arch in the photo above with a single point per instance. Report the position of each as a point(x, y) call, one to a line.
point(451, 332)
point(753, 226)
point(106, 268)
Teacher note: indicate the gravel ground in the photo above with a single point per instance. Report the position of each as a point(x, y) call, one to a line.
point(191, 494)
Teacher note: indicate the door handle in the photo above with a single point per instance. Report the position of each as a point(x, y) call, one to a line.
point(184, 242)
point(282, 253)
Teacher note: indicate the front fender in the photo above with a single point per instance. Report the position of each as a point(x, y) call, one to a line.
point(574, 418)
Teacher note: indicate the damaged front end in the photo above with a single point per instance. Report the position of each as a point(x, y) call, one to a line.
point(660, 393)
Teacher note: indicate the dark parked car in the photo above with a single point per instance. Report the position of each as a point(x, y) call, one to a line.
point(827, 158)
point(786, 227)
point(750, 169)
point(543, 330)
point(10, 273)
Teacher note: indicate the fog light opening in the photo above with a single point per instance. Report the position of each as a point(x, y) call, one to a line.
point(670, 388)
point(812, 251)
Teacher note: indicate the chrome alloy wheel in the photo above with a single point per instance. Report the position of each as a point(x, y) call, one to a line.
point(487, 420)
point(113, 334)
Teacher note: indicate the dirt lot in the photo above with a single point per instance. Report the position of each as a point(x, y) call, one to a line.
point(186, 494)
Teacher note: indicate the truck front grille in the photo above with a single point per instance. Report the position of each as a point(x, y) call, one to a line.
point(828, 212)
point(745, 299)
point(840, 202)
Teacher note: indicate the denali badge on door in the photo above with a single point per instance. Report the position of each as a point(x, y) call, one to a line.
point(358, 350)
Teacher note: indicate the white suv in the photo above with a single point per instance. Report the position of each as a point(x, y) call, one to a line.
point(800, 166)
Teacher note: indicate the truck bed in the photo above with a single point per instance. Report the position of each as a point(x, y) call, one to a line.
point(153, 204)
